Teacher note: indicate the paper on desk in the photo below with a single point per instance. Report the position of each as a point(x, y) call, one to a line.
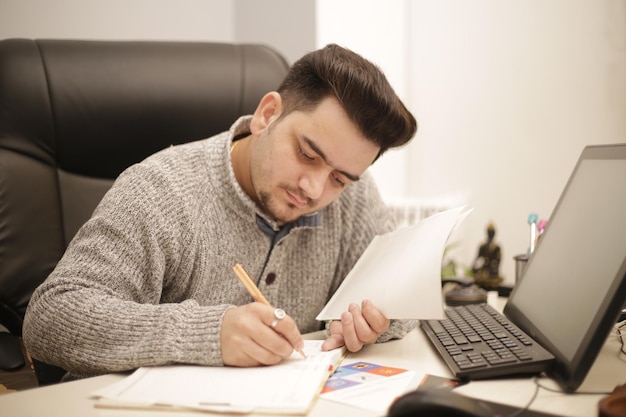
point(400, 271)
point(368, 386)
point(289, 387)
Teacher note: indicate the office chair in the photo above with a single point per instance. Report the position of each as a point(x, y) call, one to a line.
point(74, 114)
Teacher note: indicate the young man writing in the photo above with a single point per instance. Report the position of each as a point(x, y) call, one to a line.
point(148, 279)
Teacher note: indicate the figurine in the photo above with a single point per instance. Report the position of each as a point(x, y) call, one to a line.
point(487, 264)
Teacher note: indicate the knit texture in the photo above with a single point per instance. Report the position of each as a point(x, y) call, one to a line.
point(147, 279)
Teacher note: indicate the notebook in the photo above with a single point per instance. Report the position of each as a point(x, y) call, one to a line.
point(574, 285)
point(290, 387)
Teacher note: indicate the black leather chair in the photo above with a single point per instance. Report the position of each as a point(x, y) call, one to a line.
point(74, 114)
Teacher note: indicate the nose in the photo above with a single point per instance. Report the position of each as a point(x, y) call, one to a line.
point(313, 182)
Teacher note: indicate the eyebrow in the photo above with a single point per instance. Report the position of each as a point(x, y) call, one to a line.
point(317, 150)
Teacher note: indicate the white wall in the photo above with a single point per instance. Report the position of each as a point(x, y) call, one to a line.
point(118, 19)
point(286, 24)
point(507, 94)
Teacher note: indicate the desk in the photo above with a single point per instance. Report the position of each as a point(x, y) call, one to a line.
point(71, 399)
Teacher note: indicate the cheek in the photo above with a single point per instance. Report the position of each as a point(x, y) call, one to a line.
point(268, 160)
point(330, 194)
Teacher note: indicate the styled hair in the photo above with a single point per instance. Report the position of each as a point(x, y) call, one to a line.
point(360, 87)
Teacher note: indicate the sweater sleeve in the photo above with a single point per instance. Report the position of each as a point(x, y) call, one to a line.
point(101, 309)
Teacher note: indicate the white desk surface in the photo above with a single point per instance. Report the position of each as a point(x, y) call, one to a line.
point(72, 399)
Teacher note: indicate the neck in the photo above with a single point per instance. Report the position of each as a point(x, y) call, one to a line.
point(240, 159)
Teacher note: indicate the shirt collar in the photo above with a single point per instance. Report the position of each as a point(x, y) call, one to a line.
point(275, 232)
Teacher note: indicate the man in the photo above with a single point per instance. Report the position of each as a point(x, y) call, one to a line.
point(148, 279)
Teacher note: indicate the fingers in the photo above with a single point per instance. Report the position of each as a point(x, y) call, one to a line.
point(375, 318)
point(288, 329)
point(357, 327)
point(348, 330)
point(248, 340)
point(333, 342)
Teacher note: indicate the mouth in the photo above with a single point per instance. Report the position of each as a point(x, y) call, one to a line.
point(297, 200)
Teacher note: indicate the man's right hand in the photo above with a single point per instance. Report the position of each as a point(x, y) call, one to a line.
point(247, 338)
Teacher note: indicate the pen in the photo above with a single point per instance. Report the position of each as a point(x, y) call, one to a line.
point(532, 221)
point(254, 291)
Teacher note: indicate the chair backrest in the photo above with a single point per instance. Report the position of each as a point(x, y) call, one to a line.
point(75, 114)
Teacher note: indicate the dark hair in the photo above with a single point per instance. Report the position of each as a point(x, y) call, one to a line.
point(360, 87)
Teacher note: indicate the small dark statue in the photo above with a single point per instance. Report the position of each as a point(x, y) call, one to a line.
point(487, 262)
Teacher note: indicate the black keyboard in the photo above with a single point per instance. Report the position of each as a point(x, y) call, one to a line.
point(477, 342)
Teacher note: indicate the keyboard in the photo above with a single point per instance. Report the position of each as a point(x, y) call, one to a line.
point(478, 342)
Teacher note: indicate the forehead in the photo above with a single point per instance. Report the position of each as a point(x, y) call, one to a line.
point(330, 129)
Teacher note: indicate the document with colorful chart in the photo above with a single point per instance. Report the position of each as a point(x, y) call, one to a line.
point(367, 385)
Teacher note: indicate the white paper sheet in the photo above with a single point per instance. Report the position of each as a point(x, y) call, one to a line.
point(400, 272)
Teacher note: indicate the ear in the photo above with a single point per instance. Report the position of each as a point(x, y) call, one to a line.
point(268, 110)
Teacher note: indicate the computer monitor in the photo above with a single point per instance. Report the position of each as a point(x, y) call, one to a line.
point(574, 285)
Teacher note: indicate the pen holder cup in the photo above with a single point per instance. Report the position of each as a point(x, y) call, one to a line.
point(520, 266)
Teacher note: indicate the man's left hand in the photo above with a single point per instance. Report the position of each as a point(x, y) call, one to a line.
point(358, 327)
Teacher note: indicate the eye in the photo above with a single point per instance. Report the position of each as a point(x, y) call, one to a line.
point(304, 155)
point(338, 180)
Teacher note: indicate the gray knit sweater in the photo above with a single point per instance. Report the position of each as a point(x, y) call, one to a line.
point(148, 278)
